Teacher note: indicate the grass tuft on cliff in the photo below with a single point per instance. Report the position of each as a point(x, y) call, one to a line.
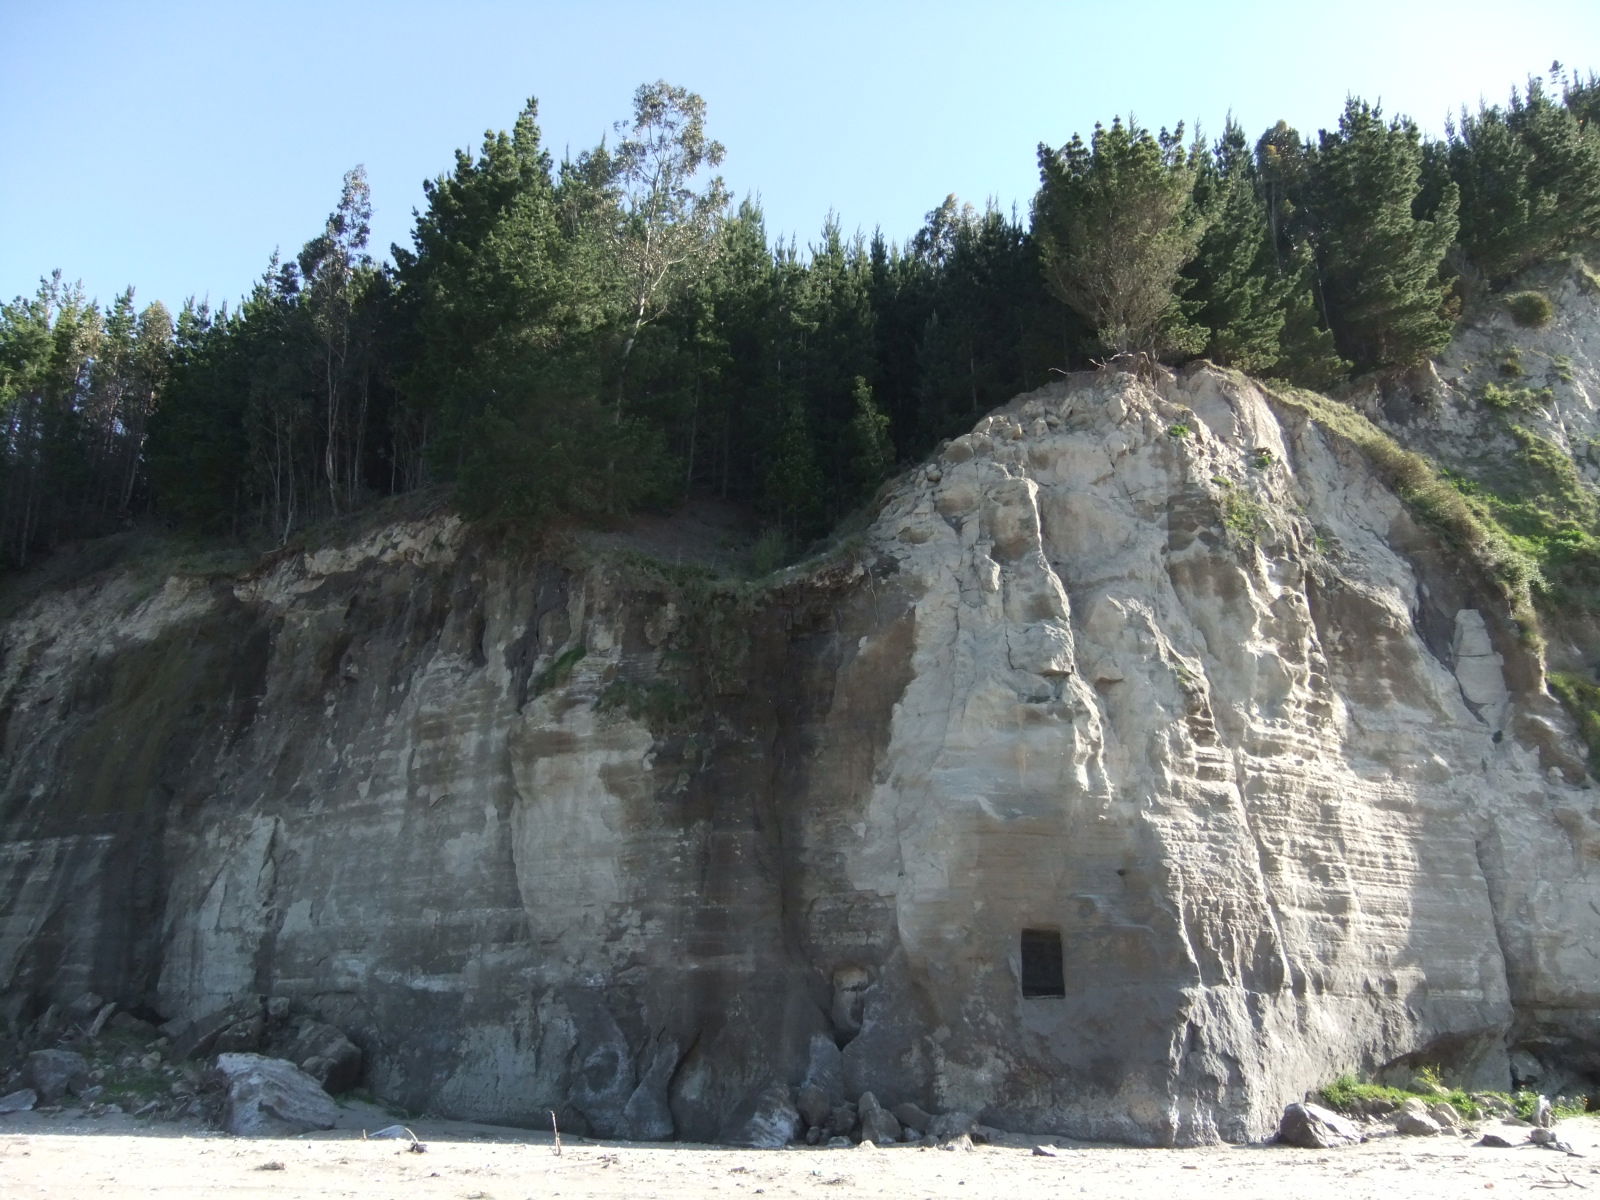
point(1581, 698)
point(1436, 503)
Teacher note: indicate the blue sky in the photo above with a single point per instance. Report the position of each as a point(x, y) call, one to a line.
point(173, 145)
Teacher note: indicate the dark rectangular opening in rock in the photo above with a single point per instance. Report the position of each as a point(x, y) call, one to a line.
point(1041, 963)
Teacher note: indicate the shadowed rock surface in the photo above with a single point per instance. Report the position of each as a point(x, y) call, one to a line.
point(1115, 783)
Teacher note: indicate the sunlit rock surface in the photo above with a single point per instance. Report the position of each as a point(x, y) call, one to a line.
point(1142, 766)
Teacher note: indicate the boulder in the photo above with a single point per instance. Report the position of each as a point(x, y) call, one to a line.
point(55, 1073)
point(1526, 1070)
point(99, 1020)
point(912, 1115)
point(952, 1125)
point(877, 1123)
point(766, 1120)
point(21, 1100)
point(1491, 1104)
point(242, 1037)
point(323, 1052)
point(1415, 1124)
point(842, 1120)
point(1313, 1127)
point(1446, 1115)
point(85, 1007)
point(814, 1106)
point(824, 1065)
point(270, 1097)
point(198, 1038)
point(49, 1026)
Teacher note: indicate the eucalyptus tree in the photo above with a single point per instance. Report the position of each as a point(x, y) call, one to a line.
point(336, 271)
point(667, 227)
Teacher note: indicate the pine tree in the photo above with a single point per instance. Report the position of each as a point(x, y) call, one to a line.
point(1115, 223)
point(1563, 174)
point(871, 453)
point(1380, 265)
point(197, 453)
point(482, 287)
point(1239, 293)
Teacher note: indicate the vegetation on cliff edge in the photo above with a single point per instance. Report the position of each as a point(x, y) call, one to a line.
point(587, 338)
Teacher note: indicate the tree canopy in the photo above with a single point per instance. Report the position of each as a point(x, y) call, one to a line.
point(582, 339)
point(1116, 224)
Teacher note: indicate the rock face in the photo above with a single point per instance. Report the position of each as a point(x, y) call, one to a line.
point(1118, 784)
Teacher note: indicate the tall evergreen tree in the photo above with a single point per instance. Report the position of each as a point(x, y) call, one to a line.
point(482, 286)
point(1115, 223)
point(1239, 292)
point(1380, 263)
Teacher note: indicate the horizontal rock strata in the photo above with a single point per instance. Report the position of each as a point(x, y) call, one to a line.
point(1143, 766)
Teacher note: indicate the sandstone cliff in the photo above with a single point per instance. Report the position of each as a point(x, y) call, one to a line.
point(1143, 765)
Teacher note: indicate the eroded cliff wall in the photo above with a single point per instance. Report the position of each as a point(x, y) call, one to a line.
point(1154, 669)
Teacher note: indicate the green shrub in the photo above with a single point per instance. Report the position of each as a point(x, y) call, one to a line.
point(1581, 699)
point(1347, 1094)
point(559, 671)
point(1179, 430)
point(1531, 310)
point(658, 702)
point(1513, 399)
point(1546, 511)
point(1525, 1104)
point(1243, 515)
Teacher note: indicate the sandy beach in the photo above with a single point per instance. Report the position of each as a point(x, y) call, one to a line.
point(71, 1155)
